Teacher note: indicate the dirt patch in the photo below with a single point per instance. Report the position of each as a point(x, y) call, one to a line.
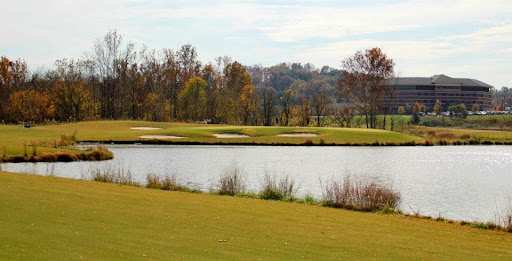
point(230, 135)
point(161, 137)
point(305, 135)
point(145, 128)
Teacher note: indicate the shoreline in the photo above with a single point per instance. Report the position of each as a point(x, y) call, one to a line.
point(306, 143)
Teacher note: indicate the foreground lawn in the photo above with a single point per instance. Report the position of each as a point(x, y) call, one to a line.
point(47, 218)
point(48, 138)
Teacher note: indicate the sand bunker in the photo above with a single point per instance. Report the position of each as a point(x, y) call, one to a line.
point(145, 128)
point(229, 135)
point(161, 137)
point(306, 135)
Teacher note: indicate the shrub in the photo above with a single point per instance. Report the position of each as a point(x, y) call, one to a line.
point(415, 118)
point(465, 136)
point(274, 189)
point(308, 142)
point(17, 159)
point(363, 196)
point(48, 157)
point(153, 181)
point(474, 142)
point(443, 142)
point(231, 182)
point(445, 135)
point(164, 183)
point(34, 148)
point(97, 154)
point(112, 175)
point(66, 157)
point(457, 142)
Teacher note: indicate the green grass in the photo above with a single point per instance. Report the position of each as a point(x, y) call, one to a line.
point(48, 218)
point(13, 138)
point(47, 138)
point(454, 134)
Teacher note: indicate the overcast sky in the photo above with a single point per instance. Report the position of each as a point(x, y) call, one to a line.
point(459, 38)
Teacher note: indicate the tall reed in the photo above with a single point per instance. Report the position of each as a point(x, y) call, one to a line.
point(232, 181)
point(111, 174)
point(277, 189)
point(363, 195)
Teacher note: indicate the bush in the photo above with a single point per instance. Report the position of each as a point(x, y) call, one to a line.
point(415, 118)
point(97, 154)
point(164, 183)
point(231, 182)
point(445, 135)
point(274, 189)
point(465, 136)
point(17, 159)
point(112, 175)
point(48, 157)
point(308, 142)
point(66, 157)
point(363, 196)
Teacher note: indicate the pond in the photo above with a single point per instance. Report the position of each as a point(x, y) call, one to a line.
point(456, 182)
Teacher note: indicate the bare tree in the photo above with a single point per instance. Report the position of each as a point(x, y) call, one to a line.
point(364, 80)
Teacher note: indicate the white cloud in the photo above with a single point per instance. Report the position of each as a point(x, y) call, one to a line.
point(481, 52)
point(335, 22)
point(42, 31)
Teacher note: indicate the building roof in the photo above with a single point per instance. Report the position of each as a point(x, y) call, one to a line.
point(439, 79)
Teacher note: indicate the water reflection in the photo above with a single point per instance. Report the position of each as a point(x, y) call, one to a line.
point(459, 182)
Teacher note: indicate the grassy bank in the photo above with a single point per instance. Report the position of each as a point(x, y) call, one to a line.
point(15, 140)
point(47, 218)
point(54, 139)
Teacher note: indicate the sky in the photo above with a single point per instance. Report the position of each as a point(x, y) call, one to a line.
point(458, 38)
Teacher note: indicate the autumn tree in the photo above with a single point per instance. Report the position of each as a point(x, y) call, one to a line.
point(267, 97)
point(458, 110)
point(286, 105)
point(30, 105)
point(71, 100)
point(193, 99)
point(305, 110)
point(364, 79)
point(235, 79)
point(343, 116)
point(437, 107)
point(13, 75)
point(248, 105)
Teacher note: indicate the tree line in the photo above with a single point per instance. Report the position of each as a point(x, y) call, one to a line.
point(117, 80)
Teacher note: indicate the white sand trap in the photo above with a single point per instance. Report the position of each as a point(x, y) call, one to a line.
point(161, 137)
point(306, 135)
point(229, 135)
point(145, 128)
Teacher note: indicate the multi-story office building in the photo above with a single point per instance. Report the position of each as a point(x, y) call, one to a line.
point(449, 91)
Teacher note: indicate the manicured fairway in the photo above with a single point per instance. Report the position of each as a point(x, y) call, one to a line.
point(13, 138)
point(48, 218)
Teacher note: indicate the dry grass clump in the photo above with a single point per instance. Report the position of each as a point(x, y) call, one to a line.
point(96, 154)
point(445, 135)
point(164, 183)
point(66, 140)
point(277, 189)
point(465, 136)
point(231, 182)
point(363, 196)
point(504, 220)
point(110, 174)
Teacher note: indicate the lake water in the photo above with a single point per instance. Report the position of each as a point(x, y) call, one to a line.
point(457, 182)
